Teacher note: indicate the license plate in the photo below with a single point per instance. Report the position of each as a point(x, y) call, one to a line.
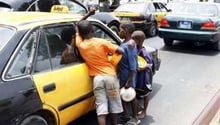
point(185, 24)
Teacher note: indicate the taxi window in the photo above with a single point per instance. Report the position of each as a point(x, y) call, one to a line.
point(5, 34)
point(162, 7)
point(42, 58)
point(51, 49)
point(21, 64)
point(157, 7)
point(101, 33)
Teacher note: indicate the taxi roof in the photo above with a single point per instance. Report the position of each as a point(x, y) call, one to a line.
point(31, 19)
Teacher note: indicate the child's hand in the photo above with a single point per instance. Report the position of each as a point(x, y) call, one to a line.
point(127, 85)
point(92, 11)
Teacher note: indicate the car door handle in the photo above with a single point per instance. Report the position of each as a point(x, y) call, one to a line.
point(49, 87)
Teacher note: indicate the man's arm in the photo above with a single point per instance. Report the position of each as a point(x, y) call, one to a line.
point(91, 12)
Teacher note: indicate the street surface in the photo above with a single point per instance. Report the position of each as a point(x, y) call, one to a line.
point(187, 80)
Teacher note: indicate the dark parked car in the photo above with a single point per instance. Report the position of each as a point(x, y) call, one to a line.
point(45, 6)
point(197, 22)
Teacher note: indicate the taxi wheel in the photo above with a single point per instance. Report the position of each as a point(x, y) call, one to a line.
point(168, 42)
point(153, 30)
point(34, 120)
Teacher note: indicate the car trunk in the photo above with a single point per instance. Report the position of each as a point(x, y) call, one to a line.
point(187, 21)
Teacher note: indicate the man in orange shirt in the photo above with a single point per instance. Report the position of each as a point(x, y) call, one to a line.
point(105, 83)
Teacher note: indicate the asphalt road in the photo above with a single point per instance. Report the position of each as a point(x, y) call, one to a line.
point(186, 81)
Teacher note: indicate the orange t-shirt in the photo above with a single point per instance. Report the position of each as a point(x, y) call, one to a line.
point(95, 52)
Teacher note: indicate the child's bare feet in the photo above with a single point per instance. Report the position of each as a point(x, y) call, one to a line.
point(134, 121)
point(140, 109)
point(142, 115)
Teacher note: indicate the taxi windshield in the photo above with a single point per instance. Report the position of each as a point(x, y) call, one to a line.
point(6, 34)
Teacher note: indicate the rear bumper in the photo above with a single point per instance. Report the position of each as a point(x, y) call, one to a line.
point(142, 26)
point(139, 25)
point(189, 35)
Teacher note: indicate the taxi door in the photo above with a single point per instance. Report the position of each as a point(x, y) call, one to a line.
point(65, 89)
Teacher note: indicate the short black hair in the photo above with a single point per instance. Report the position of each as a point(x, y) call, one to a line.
point(67, 33)
point(84, 28)
point(130, 28)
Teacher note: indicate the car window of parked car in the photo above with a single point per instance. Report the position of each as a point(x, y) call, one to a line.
point(150, 8)
point(201, 9)
point(21, 64)
point(174, 5)
point(132, 7)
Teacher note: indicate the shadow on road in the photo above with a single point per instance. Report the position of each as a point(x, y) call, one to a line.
point(189, 47)
point(147, 121)
point(155, 90)
point(88, 119)
point(91, 118)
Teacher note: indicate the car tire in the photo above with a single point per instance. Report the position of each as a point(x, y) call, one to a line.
point(152, 31)
point(34, 120)
point(168, 42)
point(114, 29)
point(216, 46)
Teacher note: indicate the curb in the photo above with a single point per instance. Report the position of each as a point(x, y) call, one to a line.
point(209, 112)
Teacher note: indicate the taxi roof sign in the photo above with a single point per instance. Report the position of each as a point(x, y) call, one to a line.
point(59, 9)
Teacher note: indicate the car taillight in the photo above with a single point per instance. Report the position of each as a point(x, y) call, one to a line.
point(208, 25)
point(164, 23)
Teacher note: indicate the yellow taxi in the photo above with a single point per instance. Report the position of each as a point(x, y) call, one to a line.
point(35, 87)
point(145, 15)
